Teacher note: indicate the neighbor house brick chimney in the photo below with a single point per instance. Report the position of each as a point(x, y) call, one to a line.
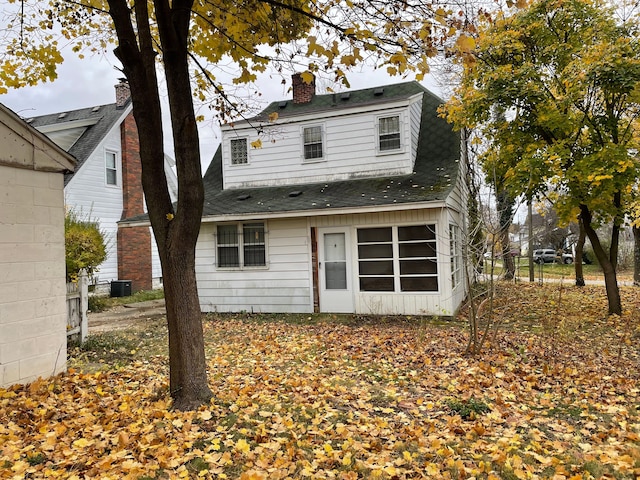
point(303, 92)
point(134, 243)
point(123, 93)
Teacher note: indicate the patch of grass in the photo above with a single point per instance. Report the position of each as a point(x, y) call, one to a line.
point(36, 459)
point(197, 465)
point(98, 303)
point(141, 296)
point(566, 411)
point(468, 409)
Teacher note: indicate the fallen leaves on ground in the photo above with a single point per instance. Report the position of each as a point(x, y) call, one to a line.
point(362, 398)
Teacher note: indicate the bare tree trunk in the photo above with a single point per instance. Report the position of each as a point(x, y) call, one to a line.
point(607, 264)
point(579, 254)
point(176, 232)
point(505, 204)
point(636, 255)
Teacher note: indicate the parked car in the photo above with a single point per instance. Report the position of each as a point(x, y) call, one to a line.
point(549, 255)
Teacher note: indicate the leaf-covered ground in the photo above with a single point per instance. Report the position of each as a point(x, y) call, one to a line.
point(555, 395)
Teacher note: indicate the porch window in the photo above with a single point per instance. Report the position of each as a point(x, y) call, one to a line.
point(239, 154)
point(312, 137)
point(389, 133)
point(111, 168)
point(398, 259)
point(241, 245)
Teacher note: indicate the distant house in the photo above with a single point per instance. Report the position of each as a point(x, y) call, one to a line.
point(106, 185)
point(354, 203)
point(33, 308)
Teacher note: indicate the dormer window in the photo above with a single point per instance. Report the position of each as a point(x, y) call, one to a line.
point(312, 137)
point(111, 168)
point(239, 151)
point(389, 133)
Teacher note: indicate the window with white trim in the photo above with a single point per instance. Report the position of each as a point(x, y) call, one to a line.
point(398, 259)
point(312, 142)
point(111, 168)
point(455, 248)
point(389, 133)
point(241, 245)
point(239, 151)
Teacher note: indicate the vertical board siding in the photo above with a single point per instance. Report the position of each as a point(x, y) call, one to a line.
point(89, 195)
point(283, 286)
point(350, 149)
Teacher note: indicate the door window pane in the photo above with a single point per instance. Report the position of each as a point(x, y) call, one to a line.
point(335, 261)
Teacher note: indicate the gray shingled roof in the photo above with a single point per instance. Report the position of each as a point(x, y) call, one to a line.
point(107, 115)
point(434, 176)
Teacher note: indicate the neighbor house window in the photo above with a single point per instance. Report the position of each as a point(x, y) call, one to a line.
point(312, 137)
point(389, 133)
point(111, 165)
point(455, 248)
point(397, 259)
point(239, 151)
point(241, 245)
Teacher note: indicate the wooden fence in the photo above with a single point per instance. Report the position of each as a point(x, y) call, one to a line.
point(77, 307)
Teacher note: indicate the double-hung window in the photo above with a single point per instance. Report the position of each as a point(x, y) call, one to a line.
point(239, 151)
point(312, 140)
point(241, 245)
point(455, 248)
point(389, 133)
point(111, 168)
point(398, 259)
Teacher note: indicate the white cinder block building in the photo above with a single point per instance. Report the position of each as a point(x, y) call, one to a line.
point(33, 310)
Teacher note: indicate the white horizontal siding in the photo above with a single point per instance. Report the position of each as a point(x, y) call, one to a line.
point(283, 286)
point(89, 195)
point(349, 146)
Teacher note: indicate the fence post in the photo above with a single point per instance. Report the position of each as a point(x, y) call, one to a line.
point(83, 287)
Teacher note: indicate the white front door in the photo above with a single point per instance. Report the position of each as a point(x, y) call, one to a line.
point(334, 270)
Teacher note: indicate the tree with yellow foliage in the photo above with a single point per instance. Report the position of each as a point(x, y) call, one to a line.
point(184, 40)
point(565, 76)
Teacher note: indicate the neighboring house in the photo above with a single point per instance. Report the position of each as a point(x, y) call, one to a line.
point(354, 203)
point(106, 185)
point(33, 307)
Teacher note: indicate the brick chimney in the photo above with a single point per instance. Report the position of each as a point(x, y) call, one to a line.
point(134, 243)
point(123, 93)
point(303, 92)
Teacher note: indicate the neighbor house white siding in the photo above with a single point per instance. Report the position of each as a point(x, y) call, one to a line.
point(283, 285)
point(90, 196)
point(33, 310)
point(350, 147)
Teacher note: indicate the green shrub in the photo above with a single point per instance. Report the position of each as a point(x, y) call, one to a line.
point(85, 245)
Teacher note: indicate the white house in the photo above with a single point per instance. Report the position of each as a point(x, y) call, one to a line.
point(106, 185)
point(33, 308)
point(353, 203)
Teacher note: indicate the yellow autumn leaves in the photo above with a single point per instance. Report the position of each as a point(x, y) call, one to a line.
point(358, 399)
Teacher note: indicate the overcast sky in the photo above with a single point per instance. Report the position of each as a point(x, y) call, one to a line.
point(90, 81)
